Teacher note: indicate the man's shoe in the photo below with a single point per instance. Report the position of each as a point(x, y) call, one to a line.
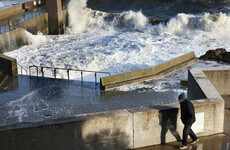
point(194, 141)
point(183, 147)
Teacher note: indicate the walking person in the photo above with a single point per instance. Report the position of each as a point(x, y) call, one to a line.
point(187, 118)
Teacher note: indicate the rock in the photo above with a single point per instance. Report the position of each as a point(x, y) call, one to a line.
point(226, 57)
point(219, 51)
point(210, 54)
point(156, 21)
point(220, 54)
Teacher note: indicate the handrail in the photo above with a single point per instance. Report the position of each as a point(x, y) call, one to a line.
point(22, 69)
point(68, 70)
point(36, 69)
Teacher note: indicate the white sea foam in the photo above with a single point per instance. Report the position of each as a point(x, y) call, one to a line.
point(36, 39)
point(119, 43)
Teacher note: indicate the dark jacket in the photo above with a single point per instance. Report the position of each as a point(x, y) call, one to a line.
point(187, 112)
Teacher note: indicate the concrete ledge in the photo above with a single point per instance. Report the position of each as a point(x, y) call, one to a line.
point(162, 124)
point(8, 65)
point(199, 85)
point(110, 130)
point(149, 73)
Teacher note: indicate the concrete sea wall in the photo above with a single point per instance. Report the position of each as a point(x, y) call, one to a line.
point(122, 129)
point(149, 73)
point(13, 40)
point(37, 24)
point(17, 38)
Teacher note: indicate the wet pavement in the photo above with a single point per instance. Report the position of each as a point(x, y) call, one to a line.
point(214, 142)
point(25, 100)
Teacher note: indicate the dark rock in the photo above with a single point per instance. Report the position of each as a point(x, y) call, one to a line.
point(220, 54)
point(219, 58)
point(226, 57)
point(210, 54)
point(219, 51)
point(156, 21)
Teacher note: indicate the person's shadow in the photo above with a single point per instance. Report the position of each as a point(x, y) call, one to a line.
point(168, 121)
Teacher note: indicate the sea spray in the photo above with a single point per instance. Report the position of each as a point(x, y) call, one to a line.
point(36, 39)
point(79, 15)
point(208, 26)
point(82, 18)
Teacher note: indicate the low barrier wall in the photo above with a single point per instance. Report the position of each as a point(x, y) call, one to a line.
point(122, 129)
point(13, 40)
point(220, 78)
point(110, 130)
point(162, 124)
point(149, 73)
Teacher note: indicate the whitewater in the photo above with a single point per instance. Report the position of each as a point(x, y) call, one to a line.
point(123, 42)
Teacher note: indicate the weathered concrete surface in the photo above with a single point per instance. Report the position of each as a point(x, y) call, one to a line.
point(37, 24)
point(156, 125)
point(194, 90)
point(220, 78)
point(227, 115)
point(199, 85)
point(162, 124)
point(149, 73)
point(13, 40)
point(110, 130)
point(8, 65)
point(55, 16)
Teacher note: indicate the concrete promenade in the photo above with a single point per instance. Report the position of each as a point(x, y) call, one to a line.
point(214, 142)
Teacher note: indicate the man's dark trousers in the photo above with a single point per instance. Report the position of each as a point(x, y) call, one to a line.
point(188, 131)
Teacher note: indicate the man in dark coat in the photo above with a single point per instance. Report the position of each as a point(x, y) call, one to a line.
point(187, 118)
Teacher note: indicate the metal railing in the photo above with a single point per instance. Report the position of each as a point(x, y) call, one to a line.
point(13, 21)
point(41, 69)
point(22, 69)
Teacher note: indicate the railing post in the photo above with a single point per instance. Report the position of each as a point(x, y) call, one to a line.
point(68, 74)
point(30, 71)
point(55, 73)
point(95, 78)
point(42, 72)
point(37, 72)
point(81, 76)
